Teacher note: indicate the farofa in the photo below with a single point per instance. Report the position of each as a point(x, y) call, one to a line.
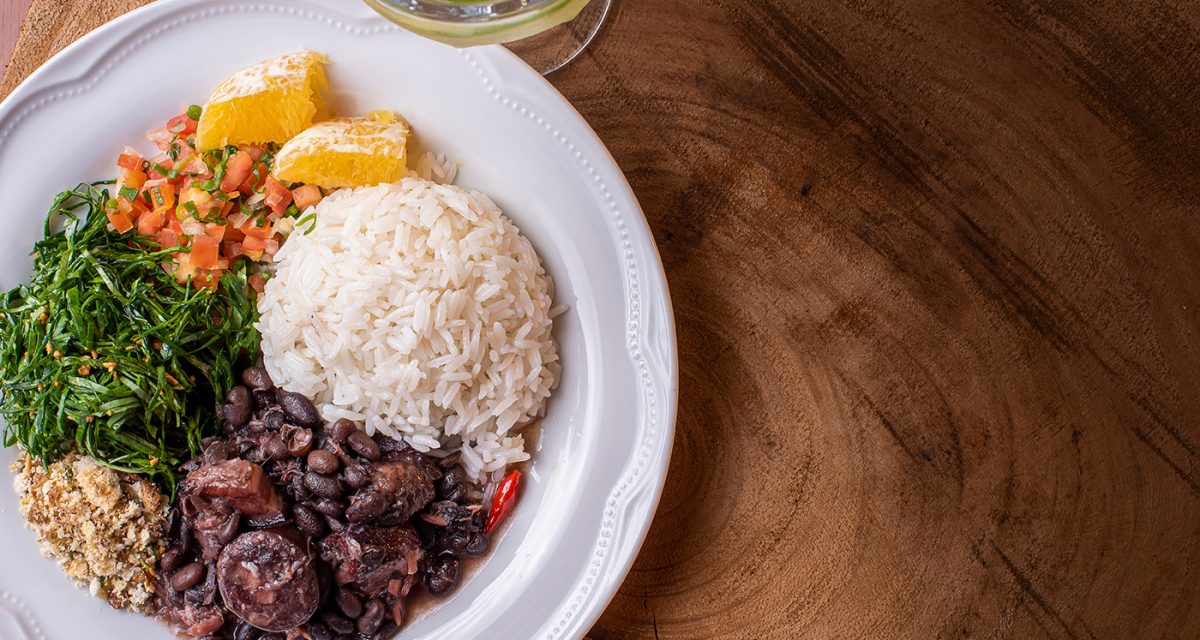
point(104, 527)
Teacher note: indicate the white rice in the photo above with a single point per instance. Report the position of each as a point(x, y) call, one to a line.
point(419, 310)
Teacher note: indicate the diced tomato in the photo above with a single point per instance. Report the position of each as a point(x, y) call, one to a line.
point(231, 249)
point(167, 238)
point(173, 223)
point(181, 125)
point(278, 196)
point(133, 178)
point(237, 170)
point(257, 283)
point(206, 279)
point(233, 234)
point(272, 246)
point(204, 252)
point(194, 165)
point(215, 230)
point(253, 248)
point(261, 233)
point(151, 223)
point(133, 209)
point(161, 194)
point(120, 221)
point(130, 161)
point(256, 180)
point(306, 196)
point(201, 199)
point(256, 151)
point(163, 162)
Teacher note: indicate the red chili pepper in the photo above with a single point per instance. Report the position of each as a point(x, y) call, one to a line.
point(503, 501)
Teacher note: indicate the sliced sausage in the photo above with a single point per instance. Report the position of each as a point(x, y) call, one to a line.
point(268, 580)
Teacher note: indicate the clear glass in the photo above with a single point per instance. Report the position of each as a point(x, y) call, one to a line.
point(546, 33)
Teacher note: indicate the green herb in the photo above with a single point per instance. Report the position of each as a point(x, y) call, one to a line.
point(129, 193)
point(169, 174)
point(312, 217)
point(105, 353)
point(194, 112)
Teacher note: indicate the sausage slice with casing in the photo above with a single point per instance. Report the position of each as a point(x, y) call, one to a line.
point(268, 580)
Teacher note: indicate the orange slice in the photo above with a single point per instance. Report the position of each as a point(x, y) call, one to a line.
point(346, 152)
point(269, 102)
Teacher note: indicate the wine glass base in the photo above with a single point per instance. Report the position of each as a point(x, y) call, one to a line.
point(554, 48)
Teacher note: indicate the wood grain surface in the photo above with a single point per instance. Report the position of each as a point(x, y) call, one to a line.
point(936, 272)
point(12, 13)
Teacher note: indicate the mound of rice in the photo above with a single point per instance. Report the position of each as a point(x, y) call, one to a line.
point(420, 310)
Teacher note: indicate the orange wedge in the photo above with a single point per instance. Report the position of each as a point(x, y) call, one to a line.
point(269, 102)
point(346, 152)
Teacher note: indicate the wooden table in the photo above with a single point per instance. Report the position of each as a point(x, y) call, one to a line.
point(936, 271)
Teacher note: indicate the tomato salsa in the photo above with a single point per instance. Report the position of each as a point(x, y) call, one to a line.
point(211, 208)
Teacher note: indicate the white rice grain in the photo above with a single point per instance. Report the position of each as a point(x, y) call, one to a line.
point(420, 310)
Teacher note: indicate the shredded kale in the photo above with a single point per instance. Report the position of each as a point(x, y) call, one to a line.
point(105, 353)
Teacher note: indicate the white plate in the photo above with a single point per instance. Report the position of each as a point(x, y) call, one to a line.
point(607, 438)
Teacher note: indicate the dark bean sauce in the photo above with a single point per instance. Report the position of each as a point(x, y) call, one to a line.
point(289, 528)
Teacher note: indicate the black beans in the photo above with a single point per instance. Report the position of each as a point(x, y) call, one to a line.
point(372, 617)
point(478, 544)
point(365, 506)
point(298, 491)
point(450, 485)
point(321, 485)
point(319, 631)
point(322, 461)
point(274, 419)
point(454, 540)
point(445, 513)
point(257, 378)
point(334, 481)
point(274, 448)
point(171, 559)
point(364, 445)
point(299, 441)
point(341, 430)
point(356, 475)
point(336, 622)
point(264, 398)
point(299, 408)
point(443, 573)
point(185, 533)
point(188, 577)
point(308, 521)
point(246, 631)
point(216, 451)
point(394, 449)
point(329, 507)
point(348, 602)
point(173, 521)
point(237, 411)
